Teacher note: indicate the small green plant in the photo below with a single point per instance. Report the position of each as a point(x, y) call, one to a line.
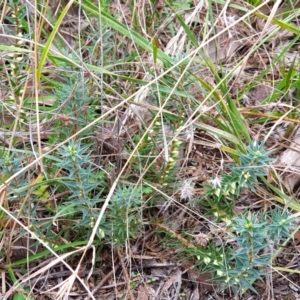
point(252, 234)
point(223, 191)
point(254, 238)
point(82, 181)
point(124, 220)
point(238, 264)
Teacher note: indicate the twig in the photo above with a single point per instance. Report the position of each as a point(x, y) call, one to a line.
point(131, 297)
point(101, 283)
point(52, 198)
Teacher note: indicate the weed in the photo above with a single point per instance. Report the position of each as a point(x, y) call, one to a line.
point(125, 220)
point(223, 191)
point(254, 238)
point(253, 235)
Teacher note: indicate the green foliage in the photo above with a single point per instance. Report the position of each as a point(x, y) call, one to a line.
point(253, 241)
point(81, 181)
point(254, 3)
point(254, 235)
point(125, 220)
point(179, 4)
point(11, 163)
point(16, 63)
point(254, 238)
point(223, 191)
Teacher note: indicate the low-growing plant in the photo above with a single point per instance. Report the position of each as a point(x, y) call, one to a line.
point(252, 233)
point(124, 219)
point(223, 191)
point(253, 237)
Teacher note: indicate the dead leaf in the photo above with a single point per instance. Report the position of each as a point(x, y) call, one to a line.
point(290, 159)
point(145, 292)
point(222, 48)
point(257, 95)
point(297, 235)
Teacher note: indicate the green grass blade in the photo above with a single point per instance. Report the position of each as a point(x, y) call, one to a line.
point(282, 198)
point(187, 30)
point(112, 22)
point(54, 31)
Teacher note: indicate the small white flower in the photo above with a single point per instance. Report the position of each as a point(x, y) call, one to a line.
point(231, 19)
point(187, 189)
point(201, 239)
point(218, 192)
point(189, 131)
point(204, 108)
point(246, 100)
point(207, 260)
point(216, 263)
point(227, 221)
point(216, 182)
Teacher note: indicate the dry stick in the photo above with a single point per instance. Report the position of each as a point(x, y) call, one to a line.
point(57, 196)
point(105, 278)
point(125, 274)
point(36, 85)
point(178, 236)
point(58, 275)
point(3, 140)
point(257, 114)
